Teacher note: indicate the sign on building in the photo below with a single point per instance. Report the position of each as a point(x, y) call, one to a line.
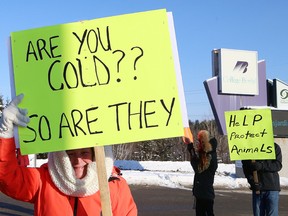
point(280, 95)
point(237, 71)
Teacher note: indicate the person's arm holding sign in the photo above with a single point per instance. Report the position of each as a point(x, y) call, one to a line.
point(269, 165)
point(267, 172)
point(12, 176)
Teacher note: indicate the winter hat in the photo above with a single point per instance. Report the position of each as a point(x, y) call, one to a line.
point(63, 176)
point(204, 138)
point(204, 147)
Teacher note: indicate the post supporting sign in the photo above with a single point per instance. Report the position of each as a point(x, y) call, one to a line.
point(250, 134)
point(98, 82)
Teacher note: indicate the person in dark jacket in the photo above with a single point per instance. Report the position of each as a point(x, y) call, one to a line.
point(265, 192)
point(203, 160)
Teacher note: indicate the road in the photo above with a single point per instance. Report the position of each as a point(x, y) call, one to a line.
point(161, 201)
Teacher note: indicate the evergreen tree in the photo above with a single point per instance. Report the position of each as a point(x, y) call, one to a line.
point(1, 103)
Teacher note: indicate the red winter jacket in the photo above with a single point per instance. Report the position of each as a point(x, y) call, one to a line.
point(34, 185)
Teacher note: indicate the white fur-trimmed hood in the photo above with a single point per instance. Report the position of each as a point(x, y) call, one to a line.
point(63, 176)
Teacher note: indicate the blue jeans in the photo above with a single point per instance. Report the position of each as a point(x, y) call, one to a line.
point(265, 203)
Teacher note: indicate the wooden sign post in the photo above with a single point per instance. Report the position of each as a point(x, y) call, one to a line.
point(103, 181)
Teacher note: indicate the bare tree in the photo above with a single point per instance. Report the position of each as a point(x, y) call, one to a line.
point(123, 151)
point(171, 149)
point(1, 103)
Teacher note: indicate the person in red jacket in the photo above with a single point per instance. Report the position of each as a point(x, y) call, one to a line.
point(67, 184)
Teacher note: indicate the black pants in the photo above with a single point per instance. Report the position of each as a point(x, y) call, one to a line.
point(204, 207)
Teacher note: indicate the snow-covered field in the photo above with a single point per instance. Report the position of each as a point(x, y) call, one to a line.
point(179, 174)
point(176, 174)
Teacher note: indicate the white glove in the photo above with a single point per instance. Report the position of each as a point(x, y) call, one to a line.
point(11, 115)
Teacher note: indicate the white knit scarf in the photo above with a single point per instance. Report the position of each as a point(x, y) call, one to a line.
point(63, 175)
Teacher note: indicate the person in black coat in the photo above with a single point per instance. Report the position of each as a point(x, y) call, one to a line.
point(265, 192)
point(203, 160)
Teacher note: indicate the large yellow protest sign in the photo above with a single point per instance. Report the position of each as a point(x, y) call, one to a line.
point(98, 82)
point(250, 134)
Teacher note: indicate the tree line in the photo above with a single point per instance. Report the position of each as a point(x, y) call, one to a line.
point(171, 149)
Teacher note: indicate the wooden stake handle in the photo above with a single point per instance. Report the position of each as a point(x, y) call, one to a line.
point(255, 178)
point(103, 182)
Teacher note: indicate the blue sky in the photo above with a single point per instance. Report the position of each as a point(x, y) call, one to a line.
point(201, 26)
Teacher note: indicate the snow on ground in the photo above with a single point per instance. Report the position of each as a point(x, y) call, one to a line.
point(176, 174)
point(179, 174)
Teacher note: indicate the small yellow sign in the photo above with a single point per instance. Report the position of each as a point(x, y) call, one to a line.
point(98, 82)
point(250, 134)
